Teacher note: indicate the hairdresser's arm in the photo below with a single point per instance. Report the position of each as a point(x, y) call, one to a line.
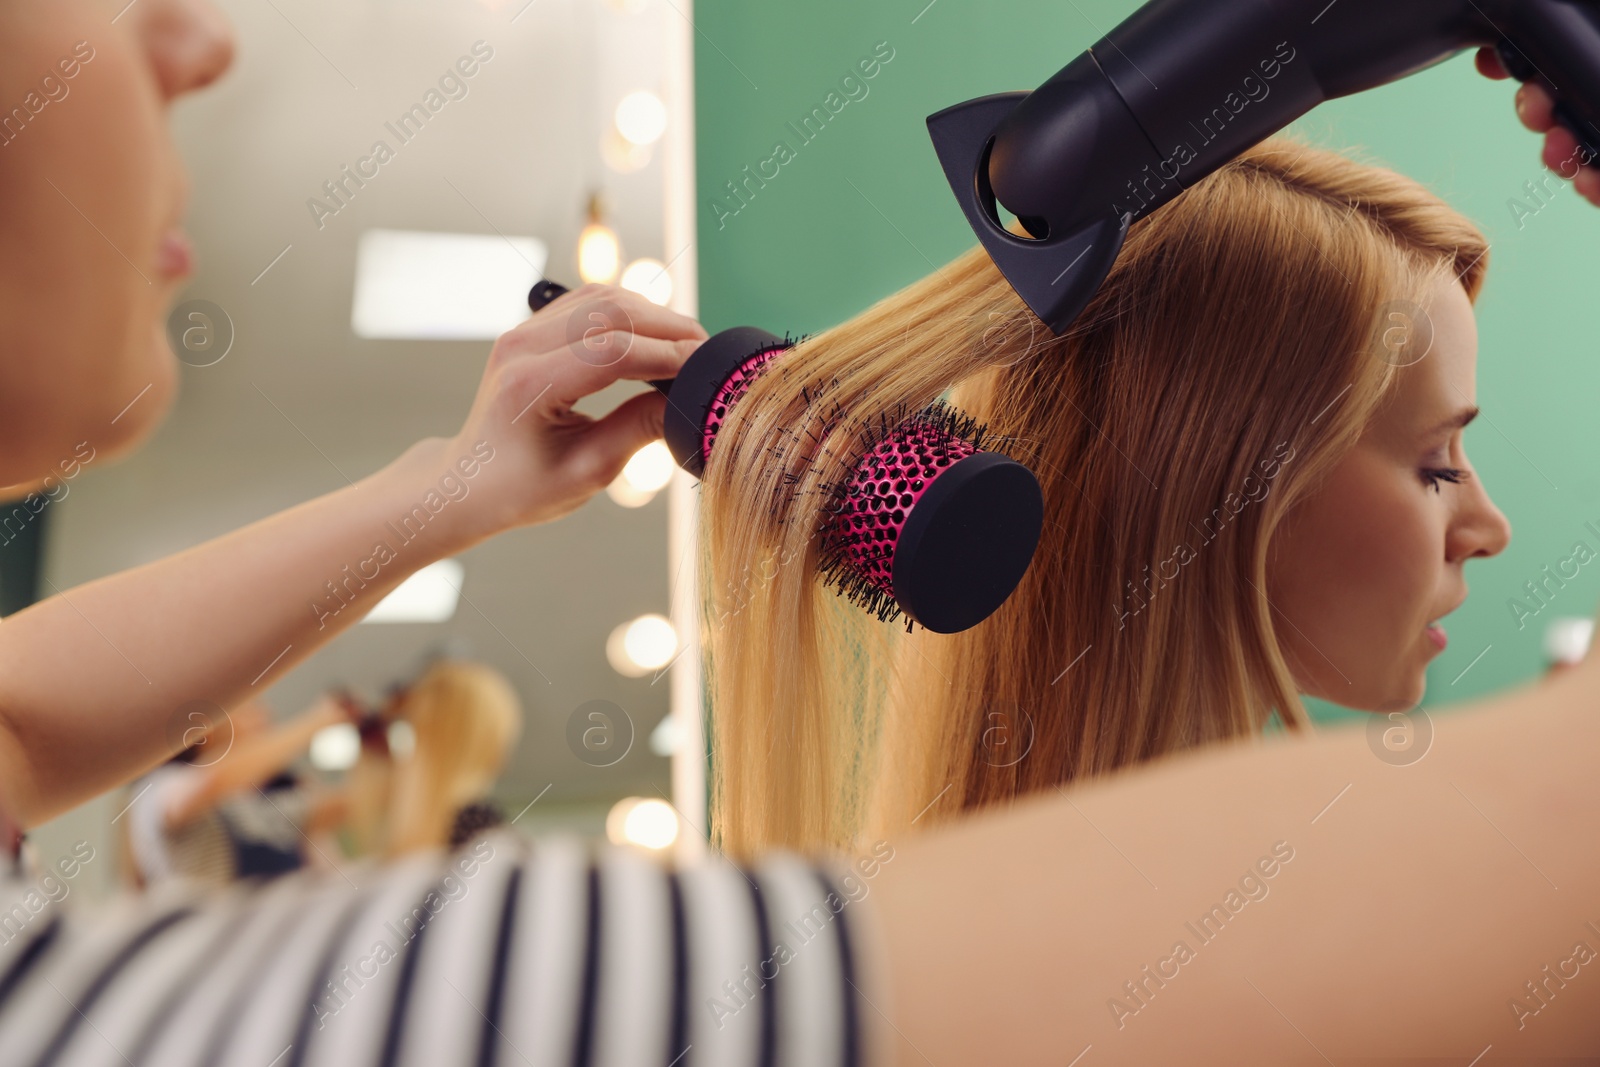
point(92, 679)
point(1418, 903)
point(1398, 917)
point(250, 761)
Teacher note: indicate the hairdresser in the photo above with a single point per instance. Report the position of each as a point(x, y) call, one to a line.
point(1397, 924)
point(228, 806)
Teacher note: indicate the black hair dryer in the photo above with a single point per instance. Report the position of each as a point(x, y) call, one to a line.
point(1183, 86)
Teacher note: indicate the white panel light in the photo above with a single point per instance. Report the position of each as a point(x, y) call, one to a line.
point(443, 286)
point(429, 595)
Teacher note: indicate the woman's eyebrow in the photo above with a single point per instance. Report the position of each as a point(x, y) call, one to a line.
point(1456, 421)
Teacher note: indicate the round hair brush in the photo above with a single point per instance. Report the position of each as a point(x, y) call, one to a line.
point(926, 522)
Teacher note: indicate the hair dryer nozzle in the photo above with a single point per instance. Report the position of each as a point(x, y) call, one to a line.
point(1055, 273)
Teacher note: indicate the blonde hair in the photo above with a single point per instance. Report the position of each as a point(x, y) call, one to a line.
point(1230, 348)
point(467, 718)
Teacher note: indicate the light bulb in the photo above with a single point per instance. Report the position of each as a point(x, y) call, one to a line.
point(598, 254)
point(651, 641)
point(336, 747)
point(641, 117)
point(646, 473)
point(649, 278)
point(625, 495)
point(643, 821)
point(666, 737)
point(636, 648)
point(651, 467)
point(621, 154)
point(402, 738)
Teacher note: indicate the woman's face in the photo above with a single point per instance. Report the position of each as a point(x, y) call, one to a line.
point(91, 253)
point(1360, 569)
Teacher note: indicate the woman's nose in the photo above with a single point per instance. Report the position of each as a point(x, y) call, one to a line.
point(189, 43)
point(1484, 529)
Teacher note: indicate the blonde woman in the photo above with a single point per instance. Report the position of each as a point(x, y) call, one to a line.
point(467, 720)
point(1255, 487)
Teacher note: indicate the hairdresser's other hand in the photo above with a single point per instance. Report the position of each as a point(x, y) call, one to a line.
point(536, 458)
point(1561, 153)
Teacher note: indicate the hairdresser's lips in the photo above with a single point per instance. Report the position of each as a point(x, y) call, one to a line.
point(175, 255)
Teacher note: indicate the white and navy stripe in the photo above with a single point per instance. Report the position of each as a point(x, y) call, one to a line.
point(546, 955)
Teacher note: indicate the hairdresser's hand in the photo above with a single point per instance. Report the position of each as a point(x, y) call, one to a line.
point(536, 458)
point(1561, 152)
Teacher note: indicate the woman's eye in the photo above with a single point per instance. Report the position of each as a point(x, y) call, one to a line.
point(1432, 476)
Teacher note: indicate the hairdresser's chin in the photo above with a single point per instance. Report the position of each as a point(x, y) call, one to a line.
point(83, 310)
point(100, 384)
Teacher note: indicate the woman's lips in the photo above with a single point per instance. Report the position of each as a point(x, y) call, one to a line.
point(175, 255)
point(1436, 634)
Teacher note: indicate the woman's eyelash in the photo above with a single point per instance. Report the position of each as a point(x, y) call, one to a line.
point(1434, 475)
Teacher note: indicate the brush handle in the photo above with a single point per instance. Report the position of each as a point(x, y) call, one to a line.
point(545, 290)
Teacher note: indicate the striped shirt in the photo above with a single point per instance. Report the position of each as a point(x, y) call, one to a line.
point(505, 952)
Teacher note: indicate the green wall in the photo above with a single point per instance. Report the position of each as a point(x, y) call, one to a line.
point(862, 209)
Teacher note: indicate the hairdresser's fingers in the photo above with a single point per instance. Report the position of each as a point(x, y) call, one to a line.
point(592, 309)
point(1587, 183)
point(1534, 107)
point(1536, 110)
point(603, 448)
point(1533, 104)
point(1563, 155)
point(1489, 65)
point(1561, 152)
point(581, 371)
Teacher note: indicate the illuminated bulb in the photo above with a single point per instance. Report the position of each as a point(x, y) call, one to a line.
point(336, 747)
point(641, 117)
point(646, 474)
point(666, 737)
point(621, 154)
point(599, 255)
point(402, 738)
point(626, 495)
point(650, 641)
point(636, 648)
point(650, 468)
point(643, 821)
point(649, 278)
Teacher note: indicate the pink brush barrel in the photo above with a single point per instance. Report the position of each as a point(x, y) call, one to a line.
point(926, 523)
point(731, 392)
point(884, 488)
point(930, 524)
